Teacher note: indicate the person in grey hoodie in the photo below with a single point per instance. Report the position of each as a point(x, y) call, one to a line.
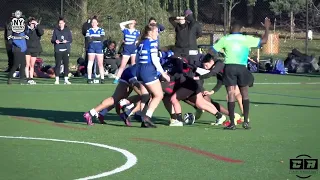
point(62, 39)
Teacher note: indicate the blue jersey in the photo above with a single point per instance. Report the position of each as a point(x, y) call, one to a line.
point(146, 49)
point(130, 36)
point(95, 38)
point(96, 34)
point(148, 61)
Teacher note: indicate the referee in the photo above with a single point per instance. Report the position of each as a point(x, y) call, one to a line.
point(236, 47)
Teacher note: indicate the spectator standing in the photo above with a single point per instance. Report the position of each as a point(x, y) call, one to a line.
point(19, 48)
point(195, 31)
point(8, 45)
point(62, 39)
point(187, 31)
point(95, 36)
point(34, 31)
point(131, 35)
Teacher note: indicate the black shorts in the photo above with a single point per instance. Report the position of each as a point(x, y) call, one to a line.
point(32, 54)
point(188, 89)
point(170, 87)
point(236, 74)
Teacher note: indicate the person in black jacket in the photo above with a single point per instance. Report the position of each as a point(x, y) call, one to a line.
point(187, 32)
point(34, 31)
point(8, 45)
point(62, 39)
point(181, 48)
point(195, 31)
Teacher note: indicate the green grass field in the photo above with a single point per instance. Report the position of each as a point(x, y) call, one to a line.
point(284, 119)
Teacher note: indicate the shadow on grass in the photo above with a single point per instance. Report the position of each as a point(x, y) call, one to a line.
point(64, 116)
point(312, 75)
point(276, 103)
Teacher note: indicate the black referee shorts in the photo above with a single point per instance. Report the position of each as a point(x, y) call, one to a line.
point(236, 74)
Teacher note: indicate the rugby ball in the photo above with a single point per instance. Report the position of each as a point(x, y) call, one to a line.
point(189, 118)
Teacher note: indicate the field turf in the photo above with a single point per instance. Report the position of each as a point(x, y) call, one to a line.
point(284, 118)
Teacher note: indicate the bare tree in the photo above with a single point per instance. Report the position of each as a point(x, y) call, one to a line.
point(231, 5)
point(292, 7)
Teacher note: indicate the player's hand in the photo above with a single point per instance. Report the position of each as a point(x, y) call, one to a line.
point(57, 42)
point(9, 37)
point(64, 41)
point(267, 23)
point(165, 76)
point(208, 93)
point(196, 78)
point(27, 37)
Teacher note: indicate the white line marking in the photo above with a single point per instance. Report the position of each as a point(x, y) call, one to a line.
point(267, 83)
point(131, 158)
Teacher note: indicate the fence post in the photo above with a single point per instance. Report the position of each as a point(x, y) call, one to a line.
point(224, 17)
point(61, 8)
point(307, 27)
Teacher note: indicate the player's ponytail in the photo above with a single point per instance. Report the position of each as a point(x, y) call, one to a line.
point(146, 31)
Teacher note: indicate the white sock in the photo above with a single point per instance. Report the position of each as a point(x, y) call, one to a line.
point(103, 112)
point(57, 78)
point(93, 112)
point(89, 69)
point(101, 71)
point(149, 113)
point(66, 79)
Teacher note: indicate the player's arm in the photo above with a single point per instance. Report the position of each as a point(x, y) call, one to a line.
point(217, 86)
point(89, 36)
point(214, 71)
point(123, 24)
point(156, 60)
point(99, 38)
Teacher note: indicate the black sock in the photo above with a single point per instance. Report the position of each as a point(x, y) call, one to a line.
point(245, 103)
point(218, 115)
point(179, 117)
point(231, 106)
point(217, 105)
point(173, 116)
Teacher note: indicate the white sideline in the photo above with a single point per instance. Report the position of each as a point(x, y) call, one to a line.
point(131, 158)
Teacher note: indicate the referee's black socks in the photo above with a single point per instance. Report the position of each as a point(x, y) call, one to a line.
point(245, 103)
point(231, 106)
